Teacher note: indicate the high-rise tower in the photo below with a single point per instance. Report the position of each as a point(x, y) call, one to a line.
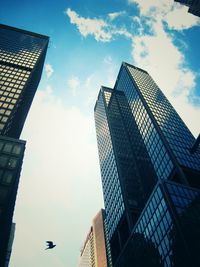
point(96, 250)
point(141, 141)
point(22, 55)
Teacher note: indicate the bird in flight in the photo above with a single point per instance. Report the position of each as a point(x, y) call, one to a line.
point(50, 245)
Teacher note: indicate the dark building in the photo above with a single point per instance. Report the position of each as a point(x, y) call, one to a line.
point(167, 232)
point(142, 141)
point(194, 6)
point(22, 55)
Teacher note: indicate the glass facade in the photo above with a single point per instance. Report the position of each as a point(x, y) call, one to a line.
point(21, 59)
point(126, 169)
point(164, 235)
point(142, 141)
point(167, 138)
point(113, 198)
point(22, 55)
point(11, 156)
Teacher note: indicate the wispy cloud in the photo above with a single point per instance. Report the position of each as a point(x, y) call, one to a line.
point(73, 84)
point(174, 14)
point(102, 30)
point(87, 26)
point(175, 19)
point(157, 53)
point(49, 70)
point(114, 15)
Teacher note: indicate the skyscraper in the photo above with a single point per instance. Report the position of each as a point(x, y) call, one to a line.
point(22, 55)
point(141, 141)
point(194, 6)
point(96, 251)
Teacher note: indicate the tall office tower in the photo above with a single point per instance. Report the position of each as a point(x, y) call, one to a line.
point(194, 6)
point(141, 141)
point(22, 55)
point(96, 251)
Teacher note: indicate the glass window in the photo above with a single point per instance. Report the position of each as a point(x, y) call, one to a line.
point(3, 160)
point(7, 178)
point(1, 145)
point(3, 194)
point(8, 147)
point(1, 173)
point(12, 163)
point(17, 149)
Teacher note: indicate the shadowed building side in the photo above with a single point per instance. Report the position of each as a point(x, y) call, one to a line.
point(22, 55)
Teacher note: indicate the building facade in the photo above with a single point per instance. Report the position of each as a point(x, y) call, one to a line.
point(194, 6)
point(167, 232)
point(141, 141)
point(22, 55)
point(96, 250)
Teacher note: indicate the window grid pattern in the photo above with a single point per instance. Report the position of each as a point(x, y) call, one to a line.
point(114, 204)
point(182, 198)
point(175, 131)
point(156, 224)
point(10, 155)
point(87, 253)
point(130, 176)
point(12, 82)
point(19, 48)
point(157, 152)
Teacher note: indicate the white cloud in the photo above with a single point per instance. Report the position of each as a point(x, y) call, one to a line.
point(174, 14)
point(180, 19)
point(158, 54)
point(87, 26)
point(49, 70)
point(73, 84)
point(114, 15)
point(61, 162)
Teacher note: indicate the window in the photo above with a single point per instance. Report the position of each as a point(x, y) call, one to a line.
point(12, 163)
point(7, 177)
point(17, 149)
point(3, 161)
point(7, 148)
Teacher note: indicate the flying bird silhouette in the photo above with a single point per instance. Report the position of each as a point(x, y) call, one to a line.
point(50, 245)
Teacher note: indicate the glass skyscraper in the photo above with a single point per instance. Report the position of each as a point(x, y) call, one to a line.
point(141, 141)
point(22, 55)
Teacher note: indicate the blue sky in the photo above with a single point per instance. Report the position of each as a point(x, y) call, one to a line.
point(60, 188)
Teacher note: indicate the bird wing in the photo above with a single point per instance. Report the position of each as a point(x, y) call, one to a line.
point(50, 243)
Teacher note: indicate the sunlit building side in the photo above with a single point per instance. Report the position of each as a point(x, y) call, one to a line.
point(96, 250)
